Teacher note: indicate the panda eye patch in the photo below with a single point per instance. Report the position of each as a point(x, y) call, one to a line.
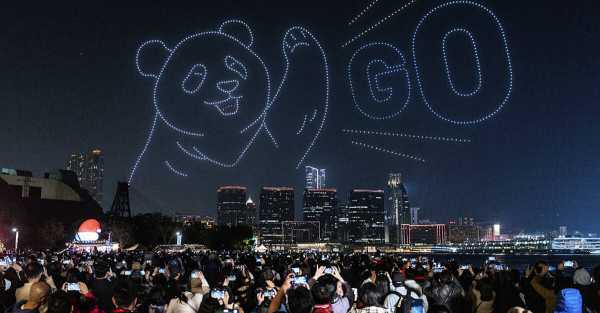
point(194, 79)
point(236, 66)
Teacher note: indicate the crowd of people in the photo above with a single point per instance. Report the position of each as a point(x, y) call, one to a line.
point(238, 282)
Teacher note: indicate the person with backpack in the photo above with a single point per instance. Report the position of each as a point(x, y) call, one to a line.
point(405, 295)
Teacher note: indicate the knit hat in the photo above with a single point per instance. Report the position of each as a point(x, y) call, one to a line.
point(582, 277)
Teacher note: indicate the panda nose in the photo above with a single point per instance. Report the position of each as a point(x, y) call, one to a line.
point(228, 86)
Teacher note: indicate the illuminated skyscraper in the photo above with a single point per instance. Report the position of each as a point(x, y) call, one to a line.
point(320, 205)
point(398, 207)
point(315, 178)
point(231, 206)
point(276, 205)
point(414, 215)
point(89, 169)
point(250, 213)
point(366, 215)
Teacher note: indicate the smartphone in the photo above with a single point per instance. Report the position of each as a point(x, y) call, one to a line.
point(4, 263)
point(296, 270)
point(142, 273)
point(300, 280)
point(195, 275)
point(328, 270)
point(217, 294)
point(41, 261)
point(355, 292)
point(499, 267)
point(230, 311)
point(268, 293)
point(231, 278)
point(464, 267)
point(72, 287)
point(126, 273)
point(552, 268)
point(491, 258)
point(568, 263)
point(161, 270)
point(66, 262)
point(438, 269)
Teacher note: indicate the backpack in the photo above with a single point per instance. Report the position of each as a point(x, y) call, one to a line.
point(408, 304)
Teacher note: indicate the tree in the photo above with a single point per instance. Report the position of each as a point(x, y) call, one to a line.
point(121, 231)
point(51, 234)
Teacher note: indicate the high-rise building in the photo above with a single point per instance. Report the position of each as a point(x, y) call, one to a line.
point(315, 178)
point(300, 232)
point(562, 231)
point(250, 212)
point(342, 223)
point(462, 230)
point(89, 168)
point(319, 205)
point(414, 215)
point(398, 211)
point(366, 215)
point(397, 208)
point(231, 206)
point(276, 205)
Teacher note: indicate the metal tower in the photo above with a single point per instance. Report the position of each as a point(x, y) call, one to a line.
point(120, 206)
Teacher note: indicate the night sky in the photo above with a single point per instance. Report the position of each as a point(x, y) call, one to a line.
point(69, 83)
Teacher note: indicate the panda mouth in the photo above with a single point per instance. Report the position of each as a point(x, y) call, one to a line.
point(226, 107)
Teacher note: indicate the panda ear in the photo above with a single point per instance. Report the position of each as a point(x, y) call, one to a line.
point(150, 57)
point(239, 30)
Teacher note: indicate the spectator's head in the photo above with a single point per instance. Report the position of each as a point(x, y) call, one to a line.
point(398, 279)
point(38, 294)
point(581, 277)
point(124, 295)
point(486, 289)
point(299, 300)
point(323, 292)
point(209, 305)
point(369, 295)
point(157, 299)
point(101, 268)
point(444, 277)
point(33, 272)
point(383, 284)
point(58, 302)
point(540, 268)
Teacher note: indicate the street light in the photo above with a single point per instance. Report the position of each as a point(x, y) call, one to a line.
point(16, 231)
point(178, 238)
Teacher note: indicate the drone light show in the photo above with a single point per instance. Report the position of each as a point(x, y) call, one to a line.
point(215, 95)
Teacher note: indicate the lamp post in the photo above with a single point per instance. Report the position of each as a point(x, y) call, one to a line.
point(16, 231)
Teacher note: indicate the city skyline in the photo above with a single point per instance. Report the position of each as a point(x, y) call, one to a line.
point(532, 164)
